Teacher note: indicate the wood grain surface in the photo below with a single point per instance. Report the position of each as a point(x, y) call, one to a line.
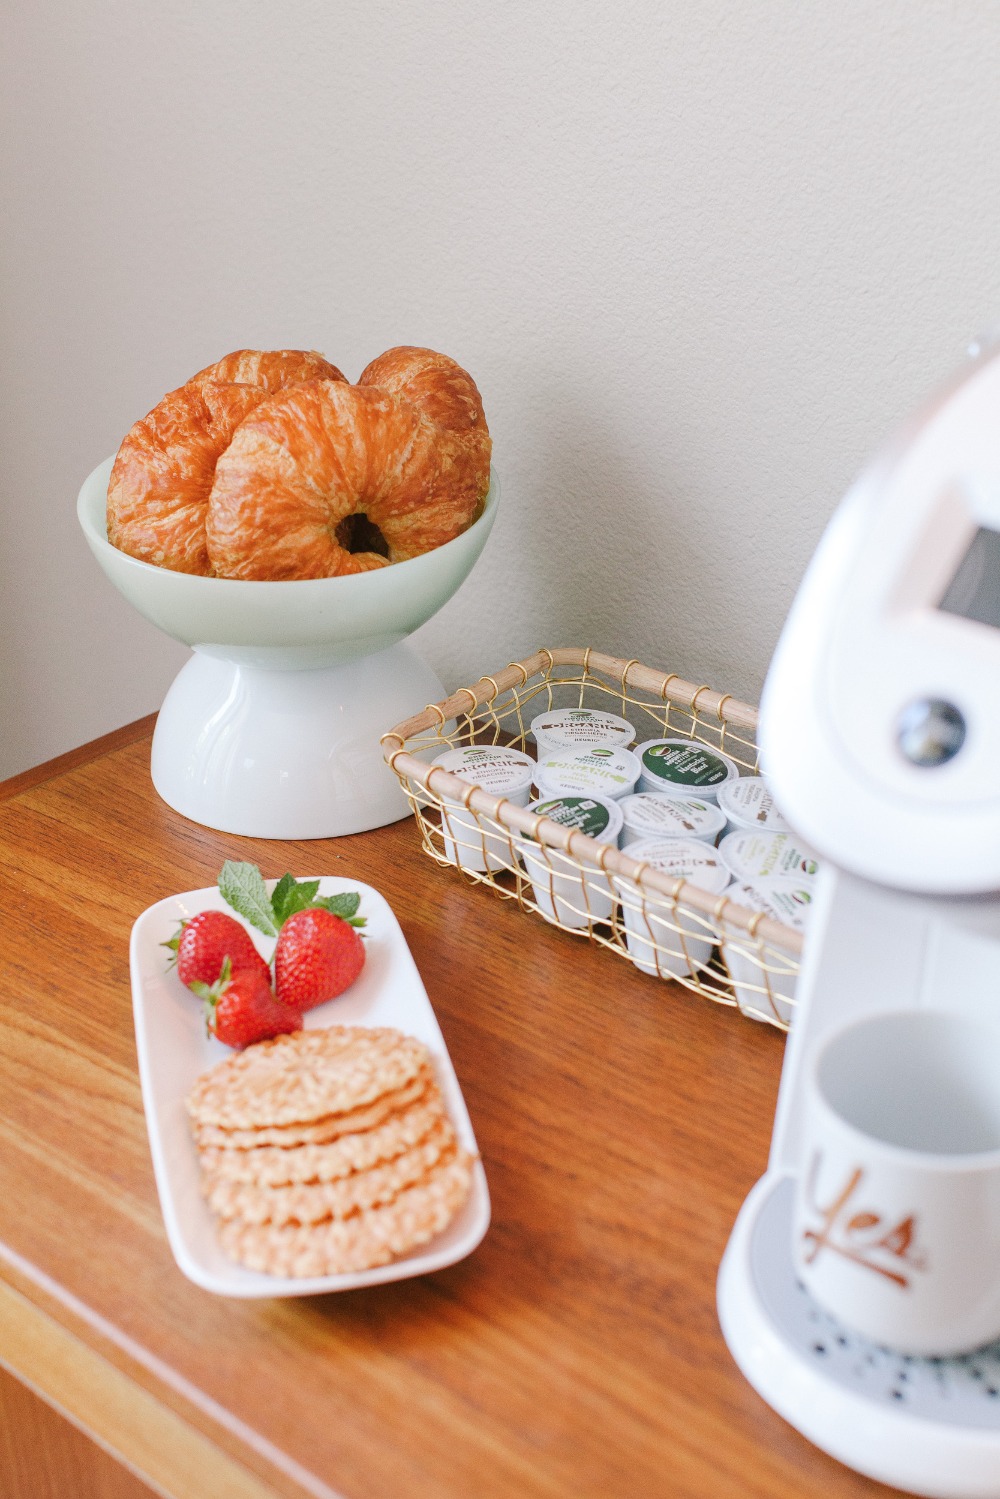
point(43, 1456)
point(577, 1351)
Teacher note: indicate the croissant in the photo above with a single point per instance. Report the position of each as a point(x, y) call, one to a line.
point(272, 471)
point(164, 470)
point(268, 370)
point(326, 478)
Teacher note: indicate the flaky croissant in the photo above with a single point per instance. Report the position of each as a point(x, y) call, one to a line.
point(268, 467)
point(164, 471)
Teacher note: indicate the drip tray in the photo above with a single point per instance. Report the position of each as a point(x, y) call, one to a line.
point(961, 1391)
point(928, 1425)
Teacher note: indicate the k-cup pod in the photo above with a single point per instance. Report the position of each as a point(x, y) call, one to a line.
point(760, 859)
point(649, 814)
point(565, 729)
point(671, 944)
point(896, 1226)
point(683, 767)
point(601, 771)
point(759, 993)
point(472, 844)
point(749, 806)
point(569, 893)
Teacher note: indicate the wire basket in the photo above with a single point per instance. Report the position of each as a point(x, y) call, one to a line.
point(664, 926)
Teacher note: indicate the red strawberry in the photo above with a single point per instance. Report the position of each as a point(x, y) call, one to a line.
point(203, 944)
point(241, 1009)
point(318, 955)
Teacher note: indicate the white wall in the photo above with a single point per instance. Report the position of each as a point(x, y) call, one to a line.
point(699, 257)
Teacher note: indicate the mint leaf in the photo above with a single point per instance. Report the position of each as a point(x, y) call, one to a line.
point(345, 905)
point(279, 896)
point(290, 895)
point(242, 887)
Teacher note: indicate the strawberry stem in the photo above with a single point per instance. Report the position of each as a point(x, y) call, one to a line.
point(210, 994)
point(174, 943)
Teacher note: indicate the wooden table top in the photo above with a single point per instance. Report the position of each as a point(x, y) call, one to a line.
point(576, 1352)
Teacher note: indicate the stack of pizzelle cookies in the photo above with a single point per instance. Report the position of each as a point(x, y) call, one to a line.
point(327, 1152)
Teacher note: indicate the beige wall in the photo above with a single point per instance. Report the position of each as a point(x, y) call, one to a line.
point(699, 258)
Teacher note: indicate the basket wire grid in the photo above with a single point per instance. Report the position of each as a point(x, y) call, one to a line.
point(667, 927)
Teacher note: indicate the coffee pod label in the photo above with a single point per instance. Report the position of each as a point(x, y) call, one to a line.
point(683, 763)
point(760, 858)
point(789, 903)
point(651, 815)
point(748, 803)
point(683, 857)
point(492, 767)
point(607, 771)
point(582, 813)
point(575, 728)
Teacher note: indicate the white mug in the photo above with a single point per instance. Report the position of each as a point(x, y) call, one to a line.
point(897, 1212)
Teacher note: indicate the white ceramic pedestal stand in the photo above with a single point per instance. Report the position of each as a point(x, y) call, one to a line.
point(272, 729)
point(287, 754)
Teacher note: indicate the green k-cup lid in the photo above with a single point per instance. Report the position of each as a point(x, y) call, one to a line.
point(683, 763)
point(582, 813)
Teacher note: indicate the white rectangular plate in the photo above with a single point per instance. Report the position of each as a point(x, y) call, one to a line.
point(174, 1049)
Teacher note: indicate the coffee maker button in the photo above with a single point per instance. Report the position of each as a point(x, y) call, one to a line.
point(930, 732)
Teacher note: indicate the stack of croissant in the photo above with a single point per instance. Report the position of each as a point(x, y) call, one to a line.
point(272, 466)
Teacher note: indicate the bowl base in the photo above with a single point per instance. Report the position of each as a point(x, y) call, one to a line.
point(287, 754)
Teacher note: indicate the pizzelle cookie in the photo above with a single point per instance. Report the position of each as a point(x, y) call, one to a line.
point(369, 1238)
point(319, 1131)
point(312, 1202)
point(306, 1076)
point(394, 1131)
point(326, 1152)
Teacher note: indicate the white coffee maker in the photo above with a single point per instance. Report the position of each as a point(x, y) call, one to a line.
point(880, 734)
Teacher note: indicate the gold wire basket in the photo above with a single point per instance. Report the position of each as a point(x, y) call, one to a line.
point(665, 926)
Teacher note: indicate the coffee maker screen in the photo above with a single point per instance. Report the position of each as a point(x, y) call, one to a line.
point(974, 591)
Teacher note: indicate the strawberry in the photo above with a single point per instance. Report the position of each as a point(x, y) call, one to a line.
point(317, 957)
point(241, 1008)
point(203, 943)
